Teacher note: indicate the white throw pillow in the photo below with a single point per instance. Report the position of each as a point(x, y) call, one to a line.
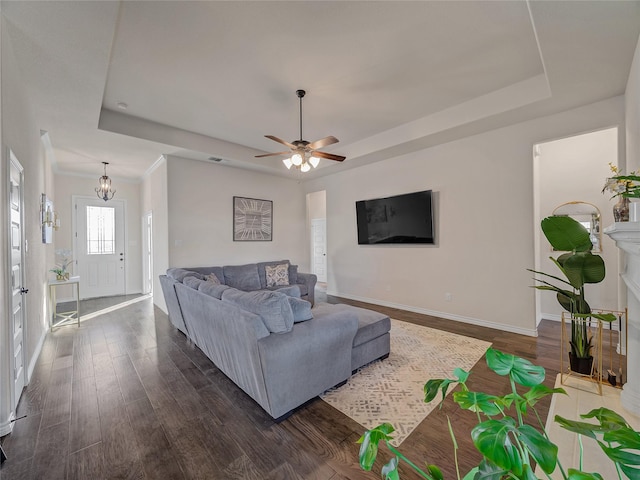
point(278, 275)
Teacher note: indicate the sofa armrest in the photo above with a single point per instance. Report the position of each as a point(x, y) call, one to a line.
point(308, 279)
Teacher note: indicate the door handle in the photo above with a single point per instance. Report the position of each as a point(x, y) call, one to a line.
point(23, 290)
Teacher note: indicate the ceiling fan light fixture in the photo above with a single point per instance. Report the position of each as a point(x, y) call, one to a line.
point(287, 163)
point(314, 161)
point(296, 159)
point(305, 167)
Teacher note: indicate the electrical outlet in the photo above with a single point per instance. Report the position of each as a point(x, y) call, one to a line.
point(448, 297)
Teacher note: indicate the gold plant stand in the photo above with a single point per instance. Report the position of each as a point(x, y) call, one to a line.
point(597, 332)
point(594, 331)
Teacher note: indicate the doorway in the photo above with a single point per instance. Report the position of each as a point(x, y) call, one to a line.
point(317, 215)
point(566, 171)
point(99, 246)
point(17, 324)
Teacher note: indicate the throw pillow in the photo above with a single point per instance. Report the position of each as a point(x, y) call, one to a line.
point(301, 309)
point(272, 307)
point(277, 275)
point(213, 278)
point(213, 290)
point(192, 281)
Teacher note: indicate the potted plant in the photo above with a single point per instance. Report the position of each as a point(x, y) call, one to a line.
point(510, 446)
point(61, 269)
point(579, 267)
point(625, 187)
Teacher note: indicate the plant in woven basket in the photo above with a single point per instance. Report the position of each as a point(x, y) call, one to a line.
point(510, 447)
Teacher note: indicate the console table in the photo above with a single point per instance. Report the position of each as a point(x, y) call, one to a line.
point(58, 319)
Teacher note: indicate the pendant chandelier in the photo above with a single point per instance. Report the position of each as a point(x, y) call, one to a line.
point(104, 190)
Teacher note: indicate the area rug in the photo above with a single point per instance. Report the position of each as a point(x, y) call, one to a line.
point(391, 390)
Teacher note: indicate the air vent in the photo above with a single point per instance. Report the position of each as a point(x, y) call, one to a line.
point(215, 159)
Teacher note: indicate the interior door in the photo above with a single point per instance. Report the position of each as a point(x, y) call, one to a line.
point(18, 290)
point(319, 247)
point(99, 249)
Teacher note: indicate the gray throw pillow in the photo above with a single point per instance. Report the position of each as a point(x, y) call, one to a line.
point(212, 289)
point(293, 274)
point(191, 281)
point(272, 307)
point(179, 274)
point(301, 309)
point(242, 277)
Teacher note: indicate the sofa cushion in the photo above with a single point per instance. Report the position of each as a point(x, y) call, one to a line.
point(371, 324)
point(191, 281)
point(212, 289)
point(290, 290)
point(272, 307)
point(277, 275)
point(242, 277)
point(301, 309)
point(213, 278)
point(179, 274)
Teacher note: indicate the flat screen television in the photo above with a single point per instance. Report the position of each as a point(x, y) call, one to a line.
point(405, 219)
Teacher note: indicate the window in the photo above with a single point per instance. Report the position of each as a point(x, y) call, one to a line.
point(101, 231)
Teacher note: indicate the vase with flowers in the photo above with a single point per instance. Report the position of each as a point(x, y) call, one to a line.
point(60, 270)
point(624, 187)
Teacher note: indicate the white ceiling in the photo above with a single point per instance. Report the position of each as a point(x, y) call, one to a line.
point(209, 78)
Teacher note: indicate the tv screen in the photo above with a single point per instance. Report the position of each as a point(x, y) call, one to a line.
point(404, 219)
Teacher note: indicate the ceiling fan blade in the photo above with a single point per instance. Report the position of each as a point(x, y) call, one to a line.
point(279, 140)
point(328, 156)
point(323, 142)
point(271, 154)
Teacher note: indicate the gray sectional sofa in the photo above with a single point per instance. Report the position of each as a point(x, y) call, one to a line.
point(270, 342)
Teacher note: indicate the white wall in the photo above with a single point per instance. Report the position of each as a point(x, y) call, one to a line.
point(200, 196)
point(20, 133)
point(632, 114)
point(575, 169)
point(68, 185)
point(484, 224)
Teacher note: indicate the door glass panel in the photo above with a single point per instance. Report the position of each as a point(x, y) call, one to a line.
point(101, 231)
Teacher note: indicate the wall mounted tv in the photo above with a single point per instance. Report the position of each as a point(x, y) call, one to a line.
point(404, 219)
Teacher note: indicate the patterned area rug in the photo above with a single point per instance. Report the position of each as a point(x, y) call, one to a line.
point(391, 390)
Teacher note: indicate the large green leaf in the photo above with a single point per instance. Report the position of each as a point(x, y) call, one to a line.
point(492, 439)
point(538, 392)
point(369, 444)
point(566, 234)
point(581, 428)
point(577, 475)
point(607, 417)
point(390, 470)
point(477, 402)
point(584, 267)
point(520, 370)
point(542, 450)
point(487, 471)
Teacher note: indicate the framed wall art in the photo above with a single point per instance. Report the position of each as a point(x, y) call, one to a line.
point(252, 220)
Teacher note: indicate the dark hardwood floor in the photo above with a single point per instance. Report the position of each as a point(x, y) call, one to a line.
point(126, 396)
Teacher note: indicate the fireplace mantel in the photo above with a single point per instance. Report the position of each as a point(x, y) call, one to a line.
point(627, 238)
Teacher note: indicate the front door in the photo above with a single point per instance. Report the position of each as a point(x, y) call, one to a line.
point(18, 290)
point(99, 248)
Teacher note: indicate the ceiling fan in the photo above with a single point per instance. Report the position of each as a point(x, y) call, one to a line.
point(304, 155)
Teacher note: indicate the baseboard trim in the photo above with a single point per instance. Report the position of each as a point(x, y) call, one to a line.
point(36, 354)
point(435, 313)
point(7, 427)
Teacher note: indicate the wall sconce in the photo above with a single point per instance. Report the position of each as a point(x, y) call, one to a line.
point(48, 218)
